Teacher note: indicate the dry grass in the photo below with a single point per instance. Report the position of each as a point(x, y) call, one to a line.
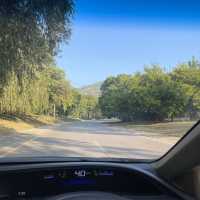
point(10, 124)
point(162, 129)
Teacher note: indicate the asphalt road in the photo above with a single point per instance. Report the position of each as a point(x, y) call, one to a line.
point(84, 138)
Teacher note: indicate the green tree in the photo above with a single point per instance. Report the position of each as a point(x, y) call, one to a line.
point(151, 95)
point(84, 107)
point(30, 33)
point(59, 90)
point(188, 75)
point(164, 97)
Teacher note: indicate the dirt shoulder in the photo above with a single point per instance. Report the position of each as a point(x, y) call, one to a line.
point(12, 124)
point(172, 129)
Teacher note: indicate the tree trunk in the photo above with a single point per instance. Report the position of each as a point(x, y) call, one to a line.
point(54, 110)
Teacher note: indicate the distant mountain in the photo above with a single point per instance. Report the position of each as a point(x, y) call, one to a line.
point(93, 89)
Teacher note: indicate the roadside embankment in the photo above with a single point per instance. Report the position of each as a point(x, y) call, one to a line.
point(174, 129)
point(16, 123)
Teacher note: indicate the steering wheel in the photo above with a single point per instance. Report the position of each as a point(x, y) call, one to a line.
point(88, 196)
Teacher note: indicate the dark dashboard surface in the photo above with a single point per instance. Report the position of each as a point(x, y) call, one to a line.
point(48, 180)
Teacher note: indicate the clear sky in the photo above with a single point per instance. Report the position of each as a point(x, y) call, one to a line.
point(110, 37)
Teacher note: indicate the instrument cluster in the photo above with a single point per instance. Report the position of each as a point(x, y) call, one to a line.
point(47, 182)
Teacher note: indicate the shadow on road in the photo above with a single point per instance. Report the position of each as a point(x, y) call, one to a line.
point(42, 146)
point(50, 143)
point(90, 127)
point(68, 147)
point(6, 131)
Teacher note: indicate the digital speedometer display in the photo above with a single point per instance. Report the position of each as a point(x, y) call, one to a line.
point(79, 173)
point(62, 180)
point(76, 177)
point(95, 173)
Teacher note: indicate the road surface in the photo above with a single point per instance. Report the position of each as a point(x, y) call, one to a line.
point(83, 138)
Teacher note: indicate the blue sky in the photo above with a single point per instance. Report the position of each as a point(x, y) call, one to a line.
point(110, 37)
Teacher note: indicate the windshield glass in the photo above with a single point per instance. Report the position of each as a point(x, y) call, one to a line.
point(97, 78)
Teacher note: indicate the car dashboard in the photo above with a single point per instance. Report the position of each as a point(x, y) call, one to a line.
point(84, 180)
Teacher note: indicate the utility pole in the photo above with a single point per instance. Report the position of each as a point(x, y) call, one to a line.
point(54, 110)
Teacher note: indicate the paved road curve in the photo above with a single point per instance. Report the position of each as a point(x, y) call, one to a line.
point(83, 138)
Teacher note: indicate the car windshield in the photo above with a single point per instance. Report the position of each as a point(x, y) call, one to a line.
point(97, 78)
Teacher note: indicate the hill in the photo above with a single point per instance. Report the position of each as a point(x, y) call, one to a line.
point(93, 89)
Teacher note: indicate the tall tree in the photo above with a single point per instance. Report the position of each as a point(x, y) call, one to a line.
point(188, 75)
point(151, 95)
point(30, 33)
point(59, 90)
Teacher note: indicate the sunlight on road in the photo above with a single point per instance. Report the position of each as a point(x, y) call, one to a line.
point(87, 139)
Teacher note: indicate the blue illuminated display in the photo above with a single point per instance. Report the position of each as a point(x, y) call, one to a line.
point(77, 181)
